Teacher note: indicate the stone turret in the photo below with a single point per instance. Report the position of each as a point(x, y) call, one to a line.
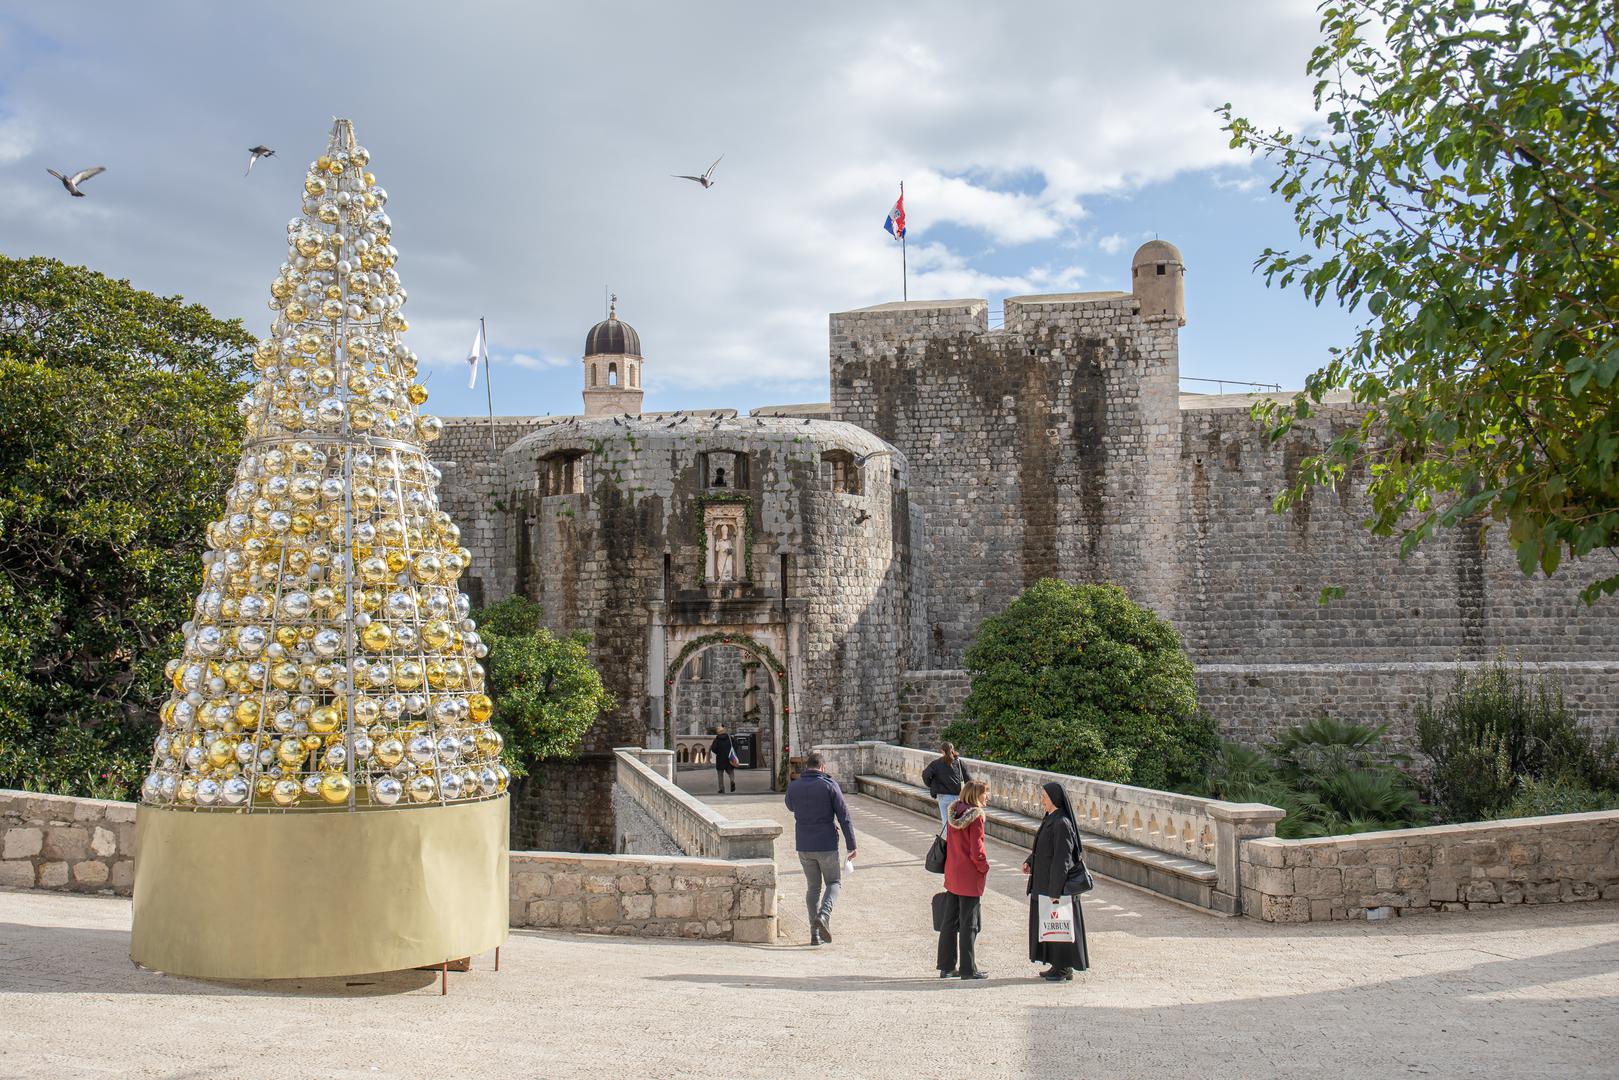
point(1158, 280)
point(612, 367)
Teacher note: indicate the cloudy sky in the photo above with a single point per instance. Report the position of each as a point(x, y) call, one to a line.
point(526, 148)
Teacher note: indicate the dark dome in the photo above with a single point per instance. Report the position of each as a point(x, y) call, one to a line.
point(612, 337)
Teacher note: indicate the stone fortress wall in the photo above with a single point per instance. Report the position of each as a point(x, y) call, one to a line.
point(1056, 445)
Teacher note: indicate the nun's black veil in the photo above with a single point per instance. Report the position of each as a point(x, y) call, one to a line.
point(1059, 798)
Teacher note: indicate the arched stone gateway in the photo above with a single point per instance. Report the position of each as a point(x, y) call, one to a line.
point(688, 643)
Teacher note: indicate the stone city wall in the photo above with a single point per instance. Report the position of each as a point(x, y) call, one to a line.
point(565, 806)
point(473, 493)
point(1486, 864)
point(929, 702)
point(1045, 448)
point(57, 842)
point(1251, 579)
point(672, 896)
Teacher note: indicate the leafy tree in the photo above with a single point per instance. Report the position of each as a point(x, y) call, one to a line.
point(546, 691)
point(1464, 192)
point(1080, 679)
point(118, 436)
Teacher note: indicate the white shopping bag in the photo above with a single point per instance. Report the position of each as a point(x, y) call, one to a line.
point(1057, 919)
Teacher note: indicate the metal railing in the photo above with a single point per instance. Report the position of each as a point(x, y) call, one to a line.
point(1223, 383)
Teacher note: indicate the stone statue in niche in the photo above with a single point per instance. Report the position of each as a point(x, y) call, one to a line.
point(724, 526)
point(726, 558)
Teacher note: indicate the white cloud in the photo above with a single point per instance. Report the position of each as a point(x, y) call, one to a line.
point(1112, 244)
point(528, 164)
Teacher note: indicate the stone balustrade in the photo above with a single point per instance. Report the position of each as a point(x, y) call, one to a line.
point(695, 828)
point(670, 896)
point(1198, 831)
point(1483, 864)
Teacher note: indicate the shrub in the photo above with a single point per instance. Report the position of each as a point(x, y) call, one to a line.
point(1080, 679)
point(545, 689)
point(1496, 729)
point(1329, 775)
point(1563, 794)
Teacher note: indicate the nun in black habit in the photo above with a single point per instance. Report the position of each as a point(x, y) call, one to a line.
point(1050, 865)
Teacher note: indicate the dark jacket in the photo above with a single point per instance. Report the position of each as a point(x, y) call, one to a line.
point(943, 778)
point(721, 749)
point(967, 865)
point(1055, 856)
point(818, 810)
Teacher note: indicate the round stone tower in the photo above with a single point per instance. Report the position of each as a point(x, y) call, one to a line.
point(612, 367)
point(1158, 280)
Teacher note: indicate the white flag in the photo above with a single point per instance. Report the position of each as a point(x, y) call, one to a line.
point(479, 351)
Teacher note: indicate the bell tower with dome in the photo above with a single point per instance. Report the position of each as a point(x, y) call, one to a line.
point(612, 367)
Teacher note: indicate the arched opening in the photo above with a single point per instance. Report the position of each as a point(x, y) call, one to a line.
point(612, 374)
point(724, 469)
point(728, 681)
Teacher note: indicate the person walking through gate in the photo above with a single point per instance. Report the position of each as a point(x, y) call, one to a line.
point(819, 810)
point(1054, 860)
point(966, 868)
point(944, 778)
point(724, 750)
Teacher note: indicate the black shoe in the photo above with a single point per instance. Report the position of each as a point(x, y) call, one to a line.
point(1048, 973)
point(815, 937)
point(733, 789)
point(975, 975)
point(1059, 975)
point(949, 974)
point(823, 923)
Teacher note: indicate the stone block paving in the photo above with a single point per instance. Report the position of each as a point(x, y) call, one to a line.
point(1173, 992)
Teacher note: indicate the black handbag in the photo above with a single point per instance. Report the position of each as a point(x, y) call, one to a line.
point(1079, 879)
point(936, 854)
point(939, 900)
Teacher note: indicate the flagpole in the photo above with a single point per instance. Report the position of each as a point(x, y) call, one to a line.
point(488, 391)
point(904, 273)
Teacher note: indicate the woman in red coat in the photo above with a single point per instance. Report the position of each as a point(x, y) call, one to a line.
point(966, 866)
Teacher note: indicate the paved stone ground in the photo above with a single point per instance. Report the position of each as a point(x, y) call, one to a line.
point(1528, 992)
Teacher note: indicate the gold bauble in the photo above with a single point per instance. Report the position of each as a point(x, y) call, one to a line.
point(397, 561)
point(426, 568)
point(326, 260)
point(417, 394)
point(221, 752)
point(284, 676)
point(286, 636)
point(285, 792)
point(323, 376)
point(291, 751)
point(421, 788)
point(377, 636)
point(247, 711)
point(188, 791)
point(389, 751)
point(408, 675)
point(314, 186)
point(480, 708)
point(366, 710)
point(324, 720)
point(335, 788)
point(296, 311)
point(435, 674)
point(373, 571)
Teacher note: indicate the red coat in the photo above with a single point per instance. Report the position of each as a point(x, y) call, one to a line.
point(966, 864)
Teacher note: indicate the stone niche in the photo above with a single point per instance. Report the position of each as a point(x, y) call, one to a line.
point(725, 528)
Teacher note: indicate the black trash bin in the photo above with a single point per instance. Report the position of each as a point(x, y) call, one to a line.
point(743, 742)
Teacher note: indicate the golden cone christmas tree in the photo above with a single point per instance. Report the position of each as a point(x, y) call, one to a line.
point(329, 664)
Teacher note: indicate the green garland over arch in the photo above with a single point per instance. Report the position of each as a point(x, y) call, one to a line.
point(746, 642)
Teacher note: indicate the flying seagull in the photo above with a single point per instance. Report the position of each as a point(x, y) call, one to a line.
point(707, 179)
point(72, 182)
point(255, 153)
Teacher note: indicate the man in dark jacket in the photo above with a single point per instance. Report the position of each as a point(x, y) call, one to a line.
point(723, 748)
point(819, 810)
point(944, 778)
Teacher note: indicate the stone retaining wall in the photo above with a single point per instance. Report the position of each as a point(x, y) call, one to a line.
point(56, 842)
point(1485, 864)
point(699, 830)
point(671, 896)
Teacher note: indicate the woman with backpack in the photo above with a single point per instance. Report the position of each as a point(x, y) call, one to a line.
point(966, 867)
point(1057, 876)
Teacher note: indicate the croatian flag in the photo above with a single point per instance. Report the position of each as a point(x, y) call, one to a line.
point(896, 219)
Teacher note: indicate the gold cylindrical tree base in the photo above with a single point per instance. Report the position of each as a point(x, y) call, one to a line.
point(307, 895)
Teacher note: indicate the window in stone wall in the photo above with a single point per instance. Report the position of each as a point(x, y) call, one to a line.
point(612, 374)
point(563, 473)
point(724, 469)
point(842, 472)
